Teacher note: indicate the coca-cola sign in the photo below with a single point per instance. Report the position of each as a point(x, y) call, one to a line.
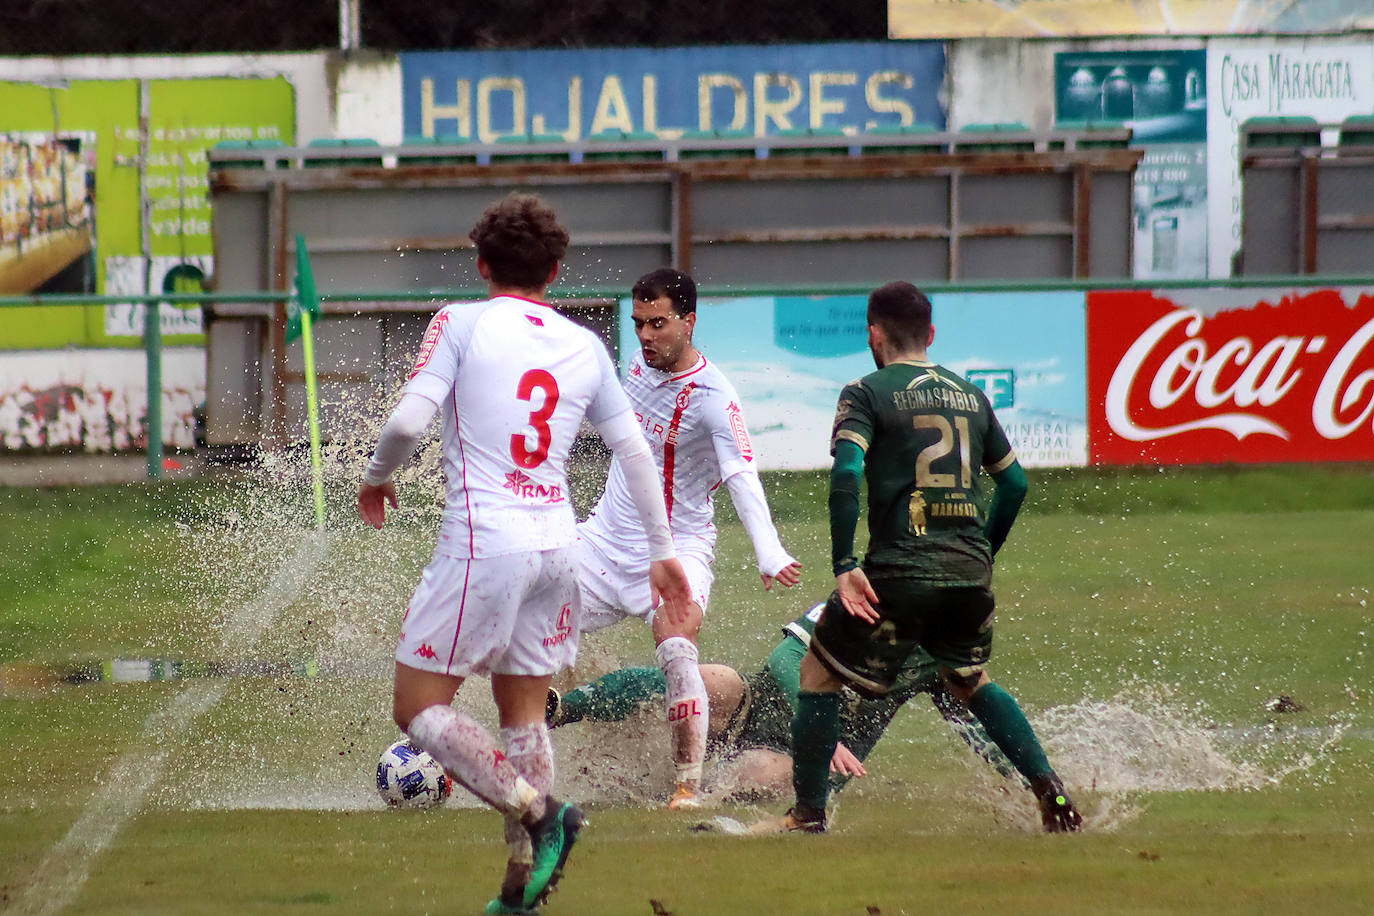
point(1230, 375)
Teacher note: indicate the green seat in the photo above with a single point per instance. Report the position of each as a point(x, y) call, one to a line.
point(602, 147)
point(515, 148)
point(1092, 135)
point(698, 144)
point(1280, 133)
point(338, 143)
point(976, 144)
point(1357, 130)
point(267, 161)
point(917, 139)
point(418, 151)
point(811, 133)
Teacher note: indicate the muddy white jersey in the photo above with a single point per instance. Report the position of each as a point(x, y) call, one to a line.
point(513, 379)
point(697, 434)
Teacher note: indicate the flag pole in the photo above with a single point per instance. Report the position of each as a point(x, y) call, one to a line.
point(310, 305)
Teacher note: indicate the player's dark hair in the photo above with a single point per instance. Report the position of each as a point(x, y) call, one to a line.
point(521, 240)
point(680, 289)
point(903, 312)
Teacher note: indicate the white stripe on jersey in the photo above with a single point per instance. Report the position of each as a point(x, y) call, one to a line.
point(693, 423)
point(514, 379)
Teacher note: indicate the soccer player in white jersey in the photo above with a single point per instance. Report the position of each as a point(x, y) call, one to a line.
point(513, 379)
point(691, 416)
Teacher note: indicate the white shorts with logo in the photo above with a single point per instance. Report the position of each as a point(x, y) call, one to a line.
point(614, 588)
point(513, 614)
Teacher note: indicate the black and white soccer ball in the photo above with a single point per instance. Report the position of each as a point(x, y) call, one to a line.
point(408, 777)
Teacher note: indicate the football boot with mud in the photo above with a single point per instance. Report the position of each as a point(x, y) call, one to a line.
point(686, 796)
point(511, 901)
point(1057, 811)
point(553, 705)
point(798, 819)
point(552, 838)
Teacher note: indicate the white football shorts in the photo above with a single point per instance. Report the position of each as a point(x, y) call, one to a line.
point(613, 589)
point(512, 614)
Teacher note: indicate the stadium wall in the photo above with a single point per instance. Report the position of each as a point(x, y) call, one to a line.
point(1184, 181)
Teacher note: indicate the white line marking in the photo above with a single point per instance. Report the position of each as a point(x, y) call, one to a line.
point(65, 868)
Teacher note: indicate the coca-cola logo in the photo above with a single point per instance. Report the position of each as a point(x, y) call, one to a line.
point(1286, 381)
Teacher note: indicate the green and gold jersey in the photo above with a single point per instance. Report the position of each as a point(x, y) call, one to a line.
point(926, 435)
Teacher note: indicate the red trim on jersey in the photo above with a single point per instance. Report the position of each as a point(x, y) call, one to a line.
point(463, 470)
point(458, 628)
point(670, 444)
point(523, 299)
point(701, 364)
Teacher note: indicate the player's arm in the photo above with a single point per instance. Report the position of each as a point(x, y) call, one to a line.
point(397, 442)
point(856, 594)
point(734, 458)
point(775, 563)
point(1006, 503)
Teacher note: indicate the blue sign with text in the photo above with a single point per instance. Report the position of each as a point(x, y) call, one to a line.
point(756, 90)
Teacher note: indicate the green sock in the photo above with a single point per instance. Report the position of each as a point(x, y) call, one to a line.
point(815, 731)
point(615, 696)
point(1006, 724)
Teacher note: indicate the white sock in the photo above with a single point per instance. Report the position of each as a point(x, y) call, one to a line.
point(531, 753)
point(468, 751)
point(688, 709)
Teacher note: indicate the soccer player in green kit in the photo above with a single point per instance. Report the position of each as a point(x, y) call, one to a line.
point(751, 714)
point(920, 435)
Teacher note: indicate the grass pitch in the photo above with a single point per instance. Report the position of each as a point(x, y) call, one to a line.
point(1148, 622)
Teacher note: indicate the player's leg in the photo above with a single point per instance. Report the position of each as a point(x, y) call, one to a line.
point(612, 697)
point(447, 635)
point(460, 743)
point(962, 642)
point(543, 641)
point(686, 703)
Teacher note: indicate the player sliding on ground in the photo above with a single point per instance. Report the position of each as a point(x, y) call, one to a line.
point(514, 380)
point(690, 414)
point(751, 714)
point(920, 435)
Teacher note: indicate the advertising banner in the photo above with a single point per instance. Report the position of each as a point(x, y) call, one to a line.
point(1324, 79)
point(756, 90)
point(789, 356)
point(1216, 376)
point(1162, 97)
point(1050, 18)
point(89, 203)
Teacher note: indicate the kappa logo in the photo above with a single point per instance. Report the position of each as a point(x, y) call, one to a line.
point(562, 629)
point(636, 371)
point(426, 651)
point(519, 483)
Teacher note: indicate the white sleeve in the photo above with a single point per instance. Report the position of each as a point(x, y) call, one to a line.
point(747, 493)
point(400, 435)
point(621, 433)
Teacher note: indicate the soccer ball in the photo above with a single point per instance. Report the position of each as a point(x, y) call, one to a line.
point(408, 777)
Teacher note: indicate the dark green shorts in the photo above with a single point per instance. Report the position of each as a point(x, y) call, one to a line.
point(763, 719)
point(954, 625)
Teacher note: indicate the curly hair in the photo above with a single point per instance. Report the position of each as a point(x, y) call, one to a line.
point(521, 240)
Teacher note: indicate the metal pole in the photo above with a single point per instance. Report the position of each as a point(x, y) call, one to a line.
point(152, 345)
point(152, 311)
point(350, 31)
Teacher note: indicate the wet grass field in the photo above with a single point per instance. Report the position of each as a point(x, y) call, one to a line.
point(1152, 623)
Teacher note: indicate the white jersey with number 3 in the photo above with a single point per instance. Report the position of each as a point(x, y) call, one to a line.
point(695, 429)
point(514, 379)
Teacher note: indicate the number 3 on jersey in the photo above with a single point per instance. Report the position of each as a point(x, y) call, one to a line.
point(540, 380)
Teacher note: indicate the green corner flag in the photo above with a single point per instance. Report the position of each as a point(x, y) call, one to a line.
point(304, 306)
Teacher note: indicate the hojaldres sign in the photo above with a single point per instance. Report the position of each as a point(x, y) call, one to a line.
point(1218, 376)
